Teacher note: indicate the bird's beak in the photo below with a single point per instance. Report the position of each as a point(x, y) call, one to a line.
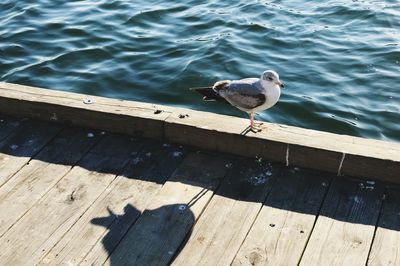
point(280, 84)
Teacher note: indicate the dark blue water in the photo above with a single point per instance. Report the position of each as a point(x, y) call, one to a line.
point(340, 59)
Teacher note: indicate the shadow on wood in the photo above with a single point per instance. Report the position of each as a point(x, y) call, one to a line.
point(83, 170)
point(151, 231)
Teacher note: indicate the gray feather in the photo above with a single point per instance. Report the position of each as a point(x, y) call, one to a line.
point(244, 94)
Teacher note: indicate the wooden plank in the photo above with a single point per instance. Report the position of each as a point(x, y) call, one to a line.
point(102, 227)
point(35, 179)
point(7, 126)
point(222, 227)
point(345, 227)
point(355, 165)
point(221, 133)
point(386, 246)
point(83, 110)
point(46, 222)
point(25, 142)
point(315, 158)
point(169, 217)
point(284, 225)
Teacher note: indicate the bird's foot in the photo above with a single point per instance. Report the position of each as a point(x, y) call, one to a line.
point(256, 127)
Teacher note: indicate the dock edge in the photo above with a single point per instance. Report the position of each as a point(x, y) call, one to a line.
point(339, 154)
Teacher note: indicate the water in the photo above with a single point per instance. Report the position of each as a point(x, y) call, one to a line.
point(340, 60)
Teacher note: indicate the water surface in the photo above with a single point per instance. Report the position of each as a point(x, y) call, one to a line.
point(340, 60)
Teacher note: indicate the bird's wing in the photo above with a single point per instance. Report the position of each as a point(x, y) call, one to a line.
point(244, 94)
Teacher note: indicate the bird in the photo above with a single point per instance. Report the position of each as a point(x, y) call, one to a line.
point(249, 95)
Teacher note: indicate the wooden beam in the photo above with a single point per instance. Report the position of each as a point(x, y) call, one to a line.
point(339, 154)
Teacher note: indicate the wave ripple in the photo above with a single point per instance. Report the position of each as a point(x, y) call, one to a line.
point(340, 59)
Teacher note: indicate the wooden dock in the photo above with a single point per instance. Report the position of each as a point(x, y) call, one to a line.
point(93, 181)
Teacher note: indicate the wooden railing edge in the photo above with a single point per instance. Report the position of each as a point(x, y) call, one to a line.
point(339, 154)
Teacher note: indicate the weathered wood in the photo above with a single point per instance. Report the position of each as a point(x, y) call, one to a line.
point(284, 225)
point(222, 227)
point(314, 158)
point(221, 133)
point(307, 148)
point(7, 126)
point(33, 181)
point(82, 110)
point(46, 222)
point(158, 233)
point(385, 170)
point(102, 227)
point(25, 142)
point(345, 227)
point(386, 246)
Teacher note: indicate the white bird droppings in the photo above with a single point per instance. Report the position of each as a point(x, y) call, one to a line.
point(137, 160)
point(228, 165)
point(14, 147)
point(258, 180)
point(177, 153)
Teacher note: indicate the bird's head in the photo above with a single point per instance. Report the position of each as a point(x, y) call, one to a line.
point(269, 77)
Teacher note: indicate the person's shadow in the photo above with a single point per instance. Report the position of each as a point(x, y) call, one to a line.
point(153, 230)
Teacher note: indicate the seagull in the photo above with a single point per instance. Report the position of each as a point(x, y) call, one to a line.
point(249, 95)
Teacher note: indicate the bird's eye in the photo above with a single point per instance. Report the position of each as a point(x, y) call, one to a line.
point(269, 78)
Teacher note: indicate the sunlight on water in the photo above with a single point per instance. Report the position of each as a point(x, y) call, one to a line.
point(339, 59)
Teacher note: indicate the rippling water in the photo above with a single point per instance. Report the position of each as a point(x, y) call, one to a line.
point(340, 59)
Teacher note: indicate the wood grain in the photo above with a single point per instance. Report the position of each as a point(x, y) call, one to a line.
point(386, 246)
point(70, 108)
point(345, 227)
point(281, 231)
point(309, 148)
point(158, 233)
point(45, 223)
point(22, 144)
point(222, 227)
point(34, 180)
point(7, 126)
point(103, 225)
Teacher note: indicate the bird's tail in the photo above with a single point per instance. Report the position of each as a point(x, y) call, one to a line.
point(209, 94)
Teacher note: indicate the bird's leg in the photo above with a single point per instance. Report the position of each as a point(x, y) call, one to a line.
point(257, 124)
point(253, 125)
